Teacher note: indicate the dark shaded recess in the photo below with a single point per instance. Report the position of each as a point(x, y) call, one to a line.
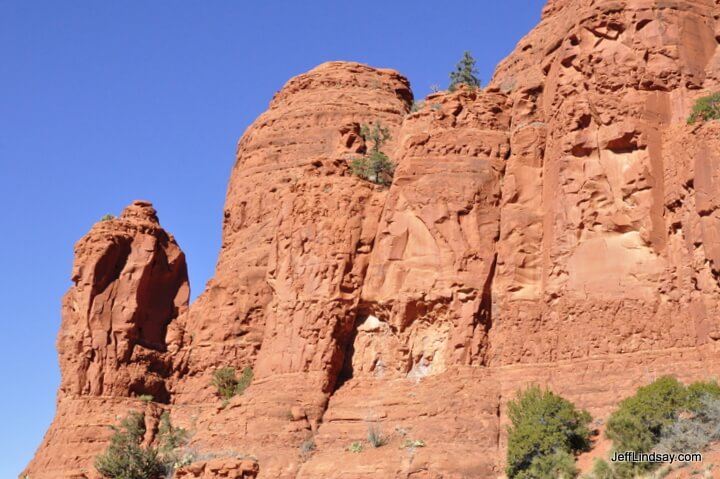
point(625, 144)
point(406, 95)
point(157, 290)
point(348, 348)
point(110, 264)
point(152, 386)
point(483, 317)
point(642, 24)
point(580, 151)
point(343, 329)
point(583, 121)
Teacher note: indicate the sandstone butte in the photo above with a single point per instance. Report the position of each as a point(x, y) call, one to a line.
point(559, 227)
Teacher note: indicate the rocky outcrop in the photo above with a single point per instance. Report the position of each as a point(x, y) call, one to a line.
point(560, 227)
point(226, 468)
point(129, 283)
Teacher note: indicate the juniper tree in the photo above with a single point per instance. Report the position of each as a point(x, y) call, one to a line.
point(465, 73)
point(125, 457)
point(545, 431)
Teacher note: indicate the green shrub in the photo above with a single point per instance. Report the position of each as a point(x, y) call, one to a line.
point(698, 391)
point(146, 397)
point(170, 437)
point(355, 447)
point(244, 381)
point(465, 73)
point(227, 383)
point(602, 470)
point(705, 109)
point(639, 420)
point(374, 166)
point(125, 458)
point(545, 430)
point(650, 419)
point(559, 465)
point(107, 217)
point(225, 380)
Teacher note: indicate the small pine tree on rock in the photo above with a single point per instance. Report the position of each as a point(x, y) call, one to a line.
point(465, 73)
point(375, 166)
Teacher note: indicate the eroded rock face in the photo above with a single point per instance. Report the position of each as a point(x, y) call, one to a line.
point(591, 182)
point(559, 227)
point(130, 282)
point(227, 468)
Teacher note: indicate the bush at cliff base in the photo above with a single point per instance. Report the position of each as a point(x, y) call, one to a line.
point(545, 431)
point(125, 458)
point(652, 414)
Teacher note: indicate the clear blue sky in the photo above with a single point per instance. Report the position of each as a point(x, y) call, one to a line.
point(103, 102)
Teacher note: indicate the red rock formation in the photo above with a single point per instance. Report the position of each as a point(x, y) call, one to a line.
point(130, 282)
point(560, 227)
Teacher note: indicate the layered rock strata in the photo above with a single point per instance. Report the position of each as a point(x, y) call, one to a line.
point(559, 227)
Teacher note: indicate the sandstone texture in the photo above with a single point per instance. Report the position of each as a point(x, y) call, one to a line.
point(559, 227)
point(129, 283)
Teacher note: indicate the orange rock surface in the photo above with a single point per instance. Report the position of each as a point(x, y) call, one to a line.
point(560, 227)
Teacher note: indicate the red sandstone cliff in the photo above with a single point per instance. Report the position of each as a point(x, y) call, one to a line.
point(560, 226)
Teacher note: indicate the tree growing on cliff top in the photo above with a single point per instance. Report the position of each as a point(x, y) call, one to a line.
point(545, 431)
point(465, 73)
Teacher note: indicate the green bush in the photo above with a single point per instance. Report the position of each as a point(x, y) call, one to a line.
point(107, 217)
point(465, 73)
point(355, 447)
point(559, 465)
point(639, 420)
point(170, 437)
point(545, 430)
point(698, 391)
point(602, 470)
point(706, 108)
point(650, 419)
point(374, 166)
point(125, 458)
point(227, 383)
point(244, 381)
